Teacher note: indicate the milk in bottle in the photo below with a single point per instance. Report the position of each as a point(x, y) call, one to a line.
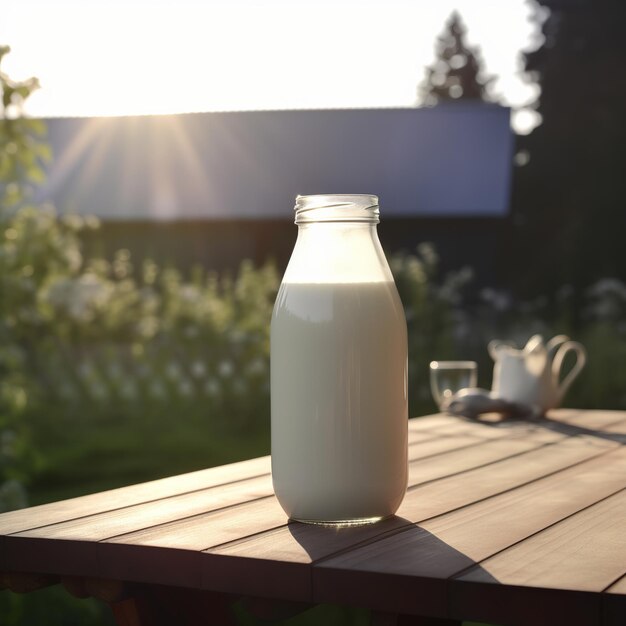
point(338, 369)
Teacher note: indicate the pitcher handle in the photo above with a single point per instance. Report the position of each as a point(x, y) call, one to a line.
point(557, 364)
point(555, 342)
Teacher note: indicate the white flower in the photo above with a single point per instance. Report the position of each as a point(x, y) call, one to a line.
point(80, 297)
point(74, 258)
point(608, 300)
point(608, 286)
point(173, 371)
point(225, 368)
point(148, 326)
point(189, 294)
point(198, 369)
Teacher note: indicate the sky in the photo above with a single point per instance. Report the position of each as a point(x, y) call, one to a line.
point(127, 57)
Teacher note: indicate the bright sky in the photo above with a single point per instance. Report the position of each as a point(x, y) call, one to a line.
point(116, 57)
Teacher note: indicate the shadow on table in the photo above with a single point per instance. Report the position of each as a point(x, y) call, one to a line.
point(571, 430)
point(392, 565)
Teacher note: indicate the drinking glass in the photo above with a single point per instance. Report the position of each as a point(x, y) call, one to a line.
point(448, 377)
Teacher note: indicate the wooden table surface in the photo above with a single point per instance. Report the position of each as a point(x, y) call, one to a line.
point(511, 523)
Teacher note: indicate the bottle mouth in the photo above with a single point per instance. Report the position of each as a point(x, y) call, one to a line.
point(337, 208)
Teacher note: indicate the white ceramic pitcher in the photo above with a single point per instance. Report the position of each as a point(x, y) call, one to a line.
point(532, 375)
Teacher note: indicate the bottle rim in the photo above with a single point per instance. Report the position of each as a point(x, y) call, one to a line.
point(338, 207)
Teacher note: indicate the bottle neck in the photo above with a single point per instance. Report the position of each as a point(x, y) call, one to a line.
point(337, 252)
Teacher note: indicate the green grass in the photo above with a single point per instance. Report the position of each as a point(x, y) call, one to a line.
point(82, 455)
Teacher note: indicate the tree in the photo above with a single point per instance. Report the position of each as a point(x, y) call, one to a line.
point(23, 148)
point(568, 199)
point(21, 154)
point(457, 73)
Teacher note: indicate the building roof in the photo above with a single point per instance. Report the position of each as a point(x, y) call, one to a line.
point(450, 160)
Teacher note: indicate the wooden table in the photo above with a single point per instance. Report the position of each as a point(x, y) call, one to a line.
point(511, 523)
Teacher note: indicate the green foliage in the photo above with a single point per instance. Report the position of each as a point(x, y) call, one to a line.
point(431, 306)
point(23, 151)
point(129, 348)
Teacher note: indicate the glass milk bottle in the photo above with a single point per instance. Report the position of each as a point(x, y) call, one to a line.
point(338, 369)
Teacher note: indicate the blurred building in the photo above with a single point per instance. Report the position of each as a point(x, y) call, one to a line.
point(214, 188)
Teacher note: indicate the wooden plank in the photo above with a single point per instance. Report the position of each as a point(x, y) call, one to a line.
point(618, 587)
point(175, 539)
point(140, 516)
point(489, 430)
point(35, 549)
point(418, 436)
point(301, 545)
point(372, 574)
point(492, 525)
point(159, 511)
point(24, 519)
point(172, 556)
point(195, 533)
point(424, 501)
point(420, 471)
point(544, 502)
point(429, 422)
point(618, 428)
point(576, 559)
point(441, 445)
point(455, 461)
point(606, 424)
point(594, 420)
point(33, 517)
point(45, 514)
point(188, 536)
point(547, 559)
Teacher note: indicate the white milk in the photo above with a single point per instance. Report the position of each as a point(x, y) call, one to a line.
point(339, 400)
